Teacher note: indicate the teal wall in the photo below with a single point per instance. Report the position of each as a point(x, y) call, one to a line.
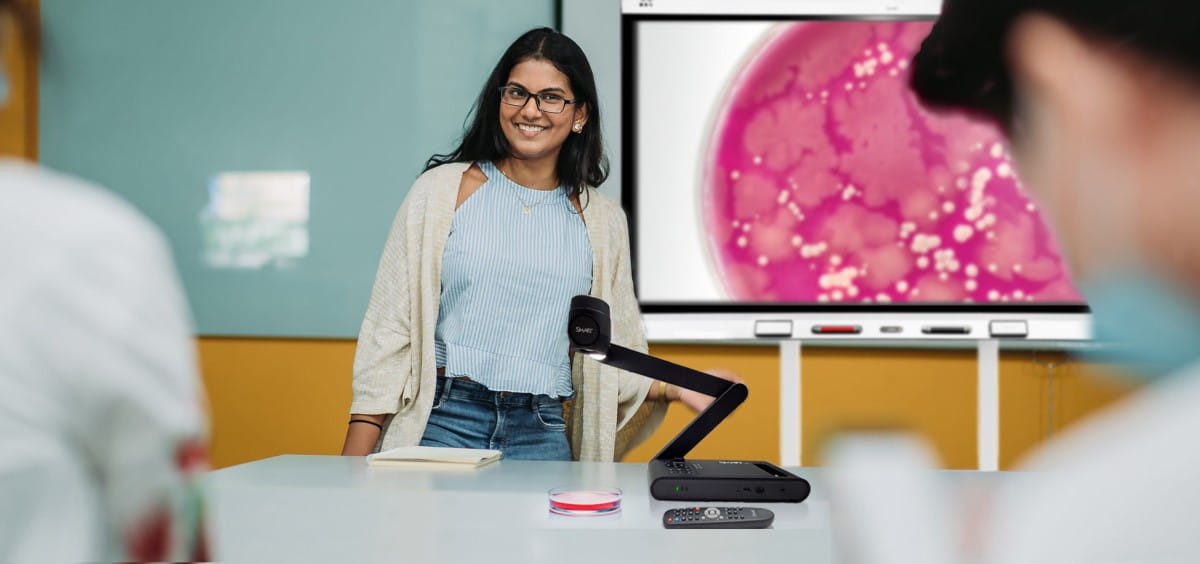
point(152, 98)
point(596, 26)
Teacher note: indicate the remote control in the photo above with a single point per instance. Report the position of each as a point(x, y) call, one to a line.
point(718, 518)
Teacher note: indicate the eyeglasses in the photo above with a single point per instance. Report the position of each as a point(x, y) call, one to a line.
point(518, 97)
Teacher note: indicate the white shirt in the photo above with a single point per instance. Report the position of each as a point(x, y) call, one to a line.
point(1123, 487)
point(98, 384)
point(1120, 488)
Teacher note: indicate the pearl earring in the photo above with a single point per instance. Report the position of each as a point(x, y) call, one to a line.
point(578, 127)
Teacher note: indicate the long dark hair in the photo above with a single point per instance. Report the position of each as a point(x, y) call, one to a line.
point(582, 161)
point(963, 64)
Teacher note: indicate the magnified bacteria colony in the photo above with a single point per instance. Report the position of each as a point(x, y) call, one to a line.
point(826, 181)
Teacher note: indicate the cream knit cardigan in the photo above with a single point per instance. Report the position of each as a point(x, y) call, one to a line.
point(394, 366)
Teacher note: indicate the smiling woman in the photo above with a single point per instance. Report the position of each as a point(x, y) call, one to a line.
point(463, 343)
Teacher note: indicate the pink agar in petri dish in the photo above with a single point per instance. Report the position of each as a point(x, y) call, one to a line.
point(826, 181)
point(584, 502)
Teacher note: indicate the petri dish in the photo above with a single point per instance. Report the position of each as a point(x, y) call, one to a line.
point(586, 502)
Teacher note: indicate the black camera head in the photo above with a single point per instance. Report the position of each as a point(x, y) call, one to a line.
point(589, 326)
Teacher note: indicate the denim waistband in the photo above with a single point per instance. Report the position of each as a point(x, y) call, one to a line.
point(460, 388)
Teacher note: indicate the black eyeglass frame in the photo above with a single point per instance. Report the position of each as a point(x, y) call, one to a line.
point(537, 100)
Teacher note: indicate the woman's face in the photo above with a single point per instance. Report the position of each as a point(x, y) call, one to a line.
point(534, 133)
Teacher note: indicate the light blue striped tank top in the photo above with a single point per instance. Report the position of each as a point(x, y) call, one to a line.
point(507, 281)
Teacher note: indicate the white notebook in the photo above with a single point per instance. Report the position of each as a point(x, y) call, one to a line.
point(426, 456)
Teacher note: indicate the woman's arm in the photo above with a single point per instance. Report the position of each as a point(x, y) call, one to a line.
point(382, 357)
point(697, 401)
point(362, 434)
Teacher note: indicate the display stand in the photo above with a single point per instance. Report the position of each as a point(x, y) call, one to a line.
point(987, 396)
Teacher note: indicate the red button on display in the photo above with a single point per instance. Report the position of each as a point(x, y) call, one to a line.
point(836, 329)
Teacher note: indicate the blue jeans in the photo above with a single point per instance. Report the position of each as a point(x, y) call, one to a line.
point(522, 426)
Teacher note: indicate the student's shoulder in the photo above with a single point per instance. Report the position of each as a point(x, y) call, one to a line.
point(58, 209)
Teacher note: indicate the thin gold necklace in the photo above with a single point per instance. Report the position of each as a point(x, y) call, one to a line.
point(528, 207)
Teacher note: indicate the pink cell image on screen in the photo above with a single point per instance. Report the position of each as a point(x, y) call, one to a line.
point(827, 182)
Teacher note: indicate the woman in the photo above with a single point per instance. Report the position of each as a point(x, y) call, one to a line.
point(464, 341)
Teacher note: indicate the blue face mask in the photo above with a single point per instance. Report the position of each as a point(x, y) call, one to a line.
point(1143, 319)
point(1144, 323)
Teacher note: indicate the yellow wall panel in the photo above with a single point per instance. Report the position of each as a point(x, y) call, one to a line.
point(931, 393)
point(1023, 393)
point(279, 396)
point(18, 115)
point(275, 396)
point(1043, 393)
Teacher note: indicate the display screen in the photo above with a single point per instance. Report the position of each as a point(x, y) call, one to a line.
point(785, 162)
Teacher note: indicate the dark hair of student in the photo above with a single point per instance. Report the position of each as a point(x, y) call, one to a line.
point(581, 162)
point(963, 64)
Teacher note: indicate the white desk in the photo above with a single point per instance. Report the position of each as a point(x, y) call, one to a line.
point(333, 509)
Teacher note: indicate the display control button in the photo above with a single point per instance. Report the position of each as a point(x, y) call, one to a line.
point(1009, 328)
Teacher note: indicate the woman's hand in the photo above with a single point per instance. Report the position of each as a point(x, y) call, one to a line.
point(697, 401)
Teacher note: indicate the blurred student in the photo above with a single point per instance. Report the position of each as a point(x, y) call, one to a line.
point(1102, 102)
point(101, 425)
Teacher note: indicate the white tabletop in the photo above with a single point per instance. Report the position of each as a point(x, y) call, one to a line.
point(336, 509)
